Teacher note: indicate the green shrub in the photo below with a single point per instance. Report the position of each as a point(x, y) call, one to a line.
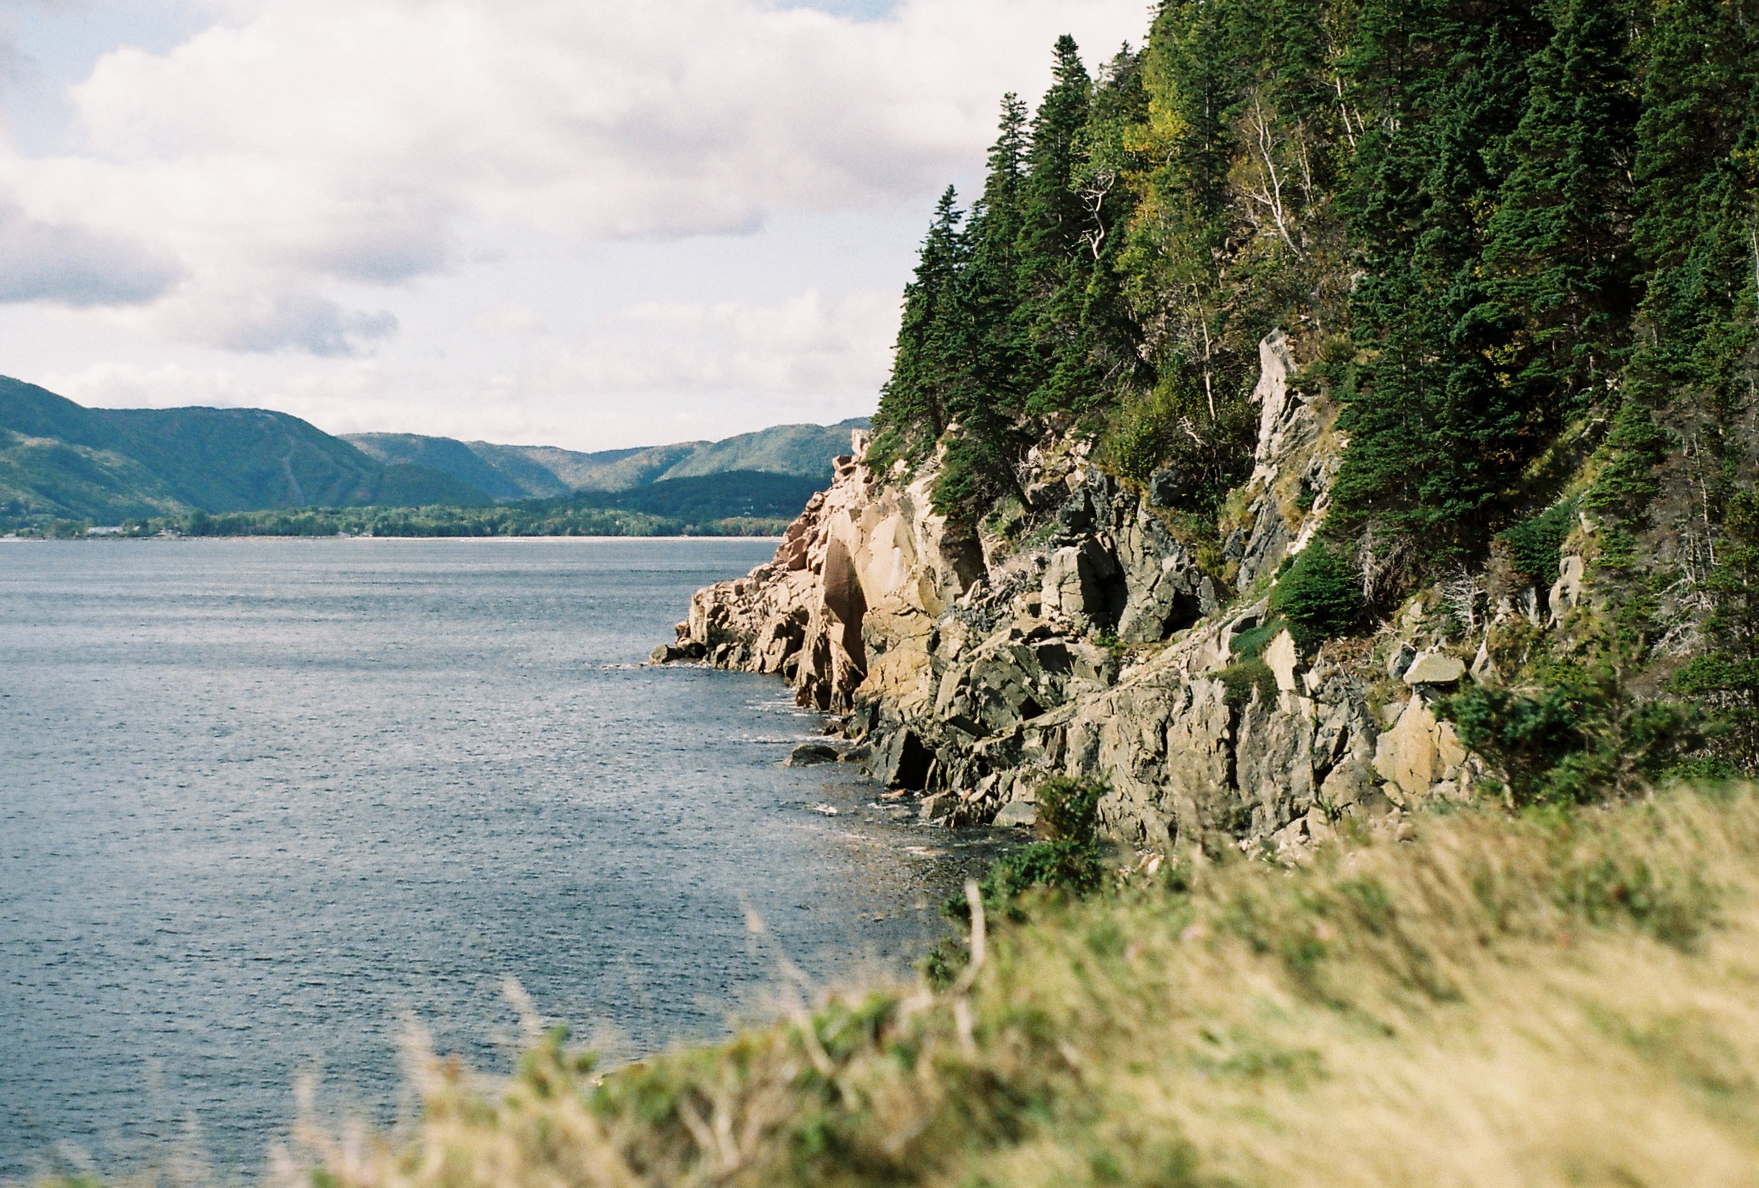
point(1580, 740)
point(1319, 596)
point(1068, 809)
point(1536, 546)
point(1170, 427)
point(1240, 678)
point(1068, 863)
point(1525, 737)
point(1252, 642)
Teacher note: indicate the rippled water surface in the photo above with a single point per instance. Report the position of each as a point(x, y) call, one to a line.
point(261, 801)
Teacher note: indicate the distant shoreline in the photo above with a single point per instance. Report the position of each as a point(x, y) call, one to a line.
point(340, 536)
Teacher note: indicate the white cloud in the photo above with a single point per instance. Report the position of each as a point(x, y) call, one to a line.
point(808, 345)
point(268, 322)
point(300, 144)
point(510, 319)
point(70, 265)
point(130, 385)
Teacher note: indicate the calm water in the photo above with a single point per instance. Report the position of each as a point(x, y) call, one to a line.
point(260, 801)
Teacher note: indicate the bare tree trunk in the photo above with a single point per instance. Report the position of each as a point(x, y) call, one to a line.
point(1270, 195)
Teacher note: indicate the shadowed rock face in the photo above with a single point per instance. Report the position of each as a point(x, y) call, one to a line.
point(974, 679)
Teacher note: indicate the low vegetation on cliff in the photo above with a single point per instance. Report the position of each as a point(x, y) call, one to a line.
point(1561, 997)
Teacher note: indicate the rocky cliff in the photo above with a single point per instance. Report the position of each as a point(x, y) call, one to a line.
point(970, 667)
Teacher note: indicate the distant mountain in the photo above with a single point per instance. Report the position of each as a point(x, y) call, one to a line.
point(539, 472)
point(60, 460)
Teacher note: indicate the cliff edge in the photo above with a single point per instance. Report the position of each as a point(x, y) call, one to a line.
point(1095, 645)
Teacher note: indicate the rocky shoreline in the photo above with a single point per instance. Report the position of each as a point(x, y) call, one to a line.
point(967, 669)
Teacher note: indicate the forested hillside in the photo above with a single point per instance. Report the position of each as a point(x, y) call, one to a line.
point(1515, 245)
point(61, 461)
point(526, 472)
point(231, 471)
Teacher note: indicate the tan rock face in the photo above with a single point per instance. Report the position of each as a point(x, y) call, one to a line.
point(974, 679)
point(1435, 668)
point(1418, 754)
point(862, 558)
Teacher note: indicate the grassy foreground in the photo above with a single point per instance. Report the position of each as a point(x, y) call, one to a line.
point(1563, 999)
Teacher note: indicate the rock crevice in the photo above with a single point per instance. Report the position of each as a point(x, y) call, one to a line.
point(1103, 651)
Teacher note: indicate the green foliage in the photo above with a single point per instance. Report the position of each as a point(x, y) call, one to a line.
point(1634, 449)
point(1725, 676)
point(1535, 546)
point(1068, 862)
point(1243, 678)
point(1578, 740)
point(1319, 596)
point(1168, 428)
point(1506, 218)
point(750, 504)
point(914, 403)
point(1526, 737)
point(1251, 643)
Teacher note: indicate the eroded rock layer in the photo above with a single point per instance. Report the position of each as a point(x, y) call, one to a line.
point(976, 670)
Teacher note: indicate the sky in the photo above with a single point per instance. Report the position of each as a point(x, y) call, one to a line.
point(584, 223)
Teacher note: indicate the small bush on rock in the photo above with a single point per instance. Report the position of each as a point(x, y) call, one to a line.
point(1536, 546)
point(1069, 863)
point(1319, 596)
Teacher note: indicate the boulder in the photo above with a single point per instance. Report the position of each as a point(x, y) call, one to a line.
point(1164, 486)
point(1282, 657)
point(1417, 753)
point(1566, 593)
point(1078, 582)
point(900, 760)
point(1017, 813)
point(1435, 668)
point(1348, 784)
point(809, 753)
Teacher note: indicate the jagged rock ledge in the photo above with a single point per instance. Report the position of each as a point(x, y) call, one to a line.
point(971, 671)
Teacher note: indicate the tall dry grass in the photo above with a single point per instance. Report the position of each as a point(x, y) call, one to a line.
point(1563, 1000)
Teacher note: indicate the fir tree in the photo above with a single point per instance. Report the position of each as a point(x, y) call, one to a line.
point(1562, 267)
point(1436, 439)
point(1725, 677)
point(1050, 269)
point(913, 404)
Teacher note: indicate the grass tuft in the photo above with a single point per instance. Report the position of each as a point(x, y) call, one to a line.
point(1558, 997)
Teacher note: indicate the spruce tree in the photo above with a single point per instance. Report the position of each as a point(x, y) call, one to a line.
point(1436, 438)
point(1696, 238)
point(1050, 269)
point(1563, 272)
point(985, 377)
point(913, 407)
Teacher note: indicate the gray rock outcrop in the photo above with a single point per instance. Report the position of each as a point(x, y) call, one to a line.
point(972, 672)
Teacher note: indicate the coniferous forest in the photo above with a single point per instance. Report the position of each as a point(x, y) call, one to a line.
point(1517, 243)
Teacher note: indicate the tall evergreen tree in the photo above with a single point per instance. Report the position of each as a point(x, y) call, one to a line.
point(1696, 236)
point(1100, 354)
point(1562, 270)
point(1435, 437)
point(992, 346)
point(1051, 272)
point(986, 380)
point(913, 407)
